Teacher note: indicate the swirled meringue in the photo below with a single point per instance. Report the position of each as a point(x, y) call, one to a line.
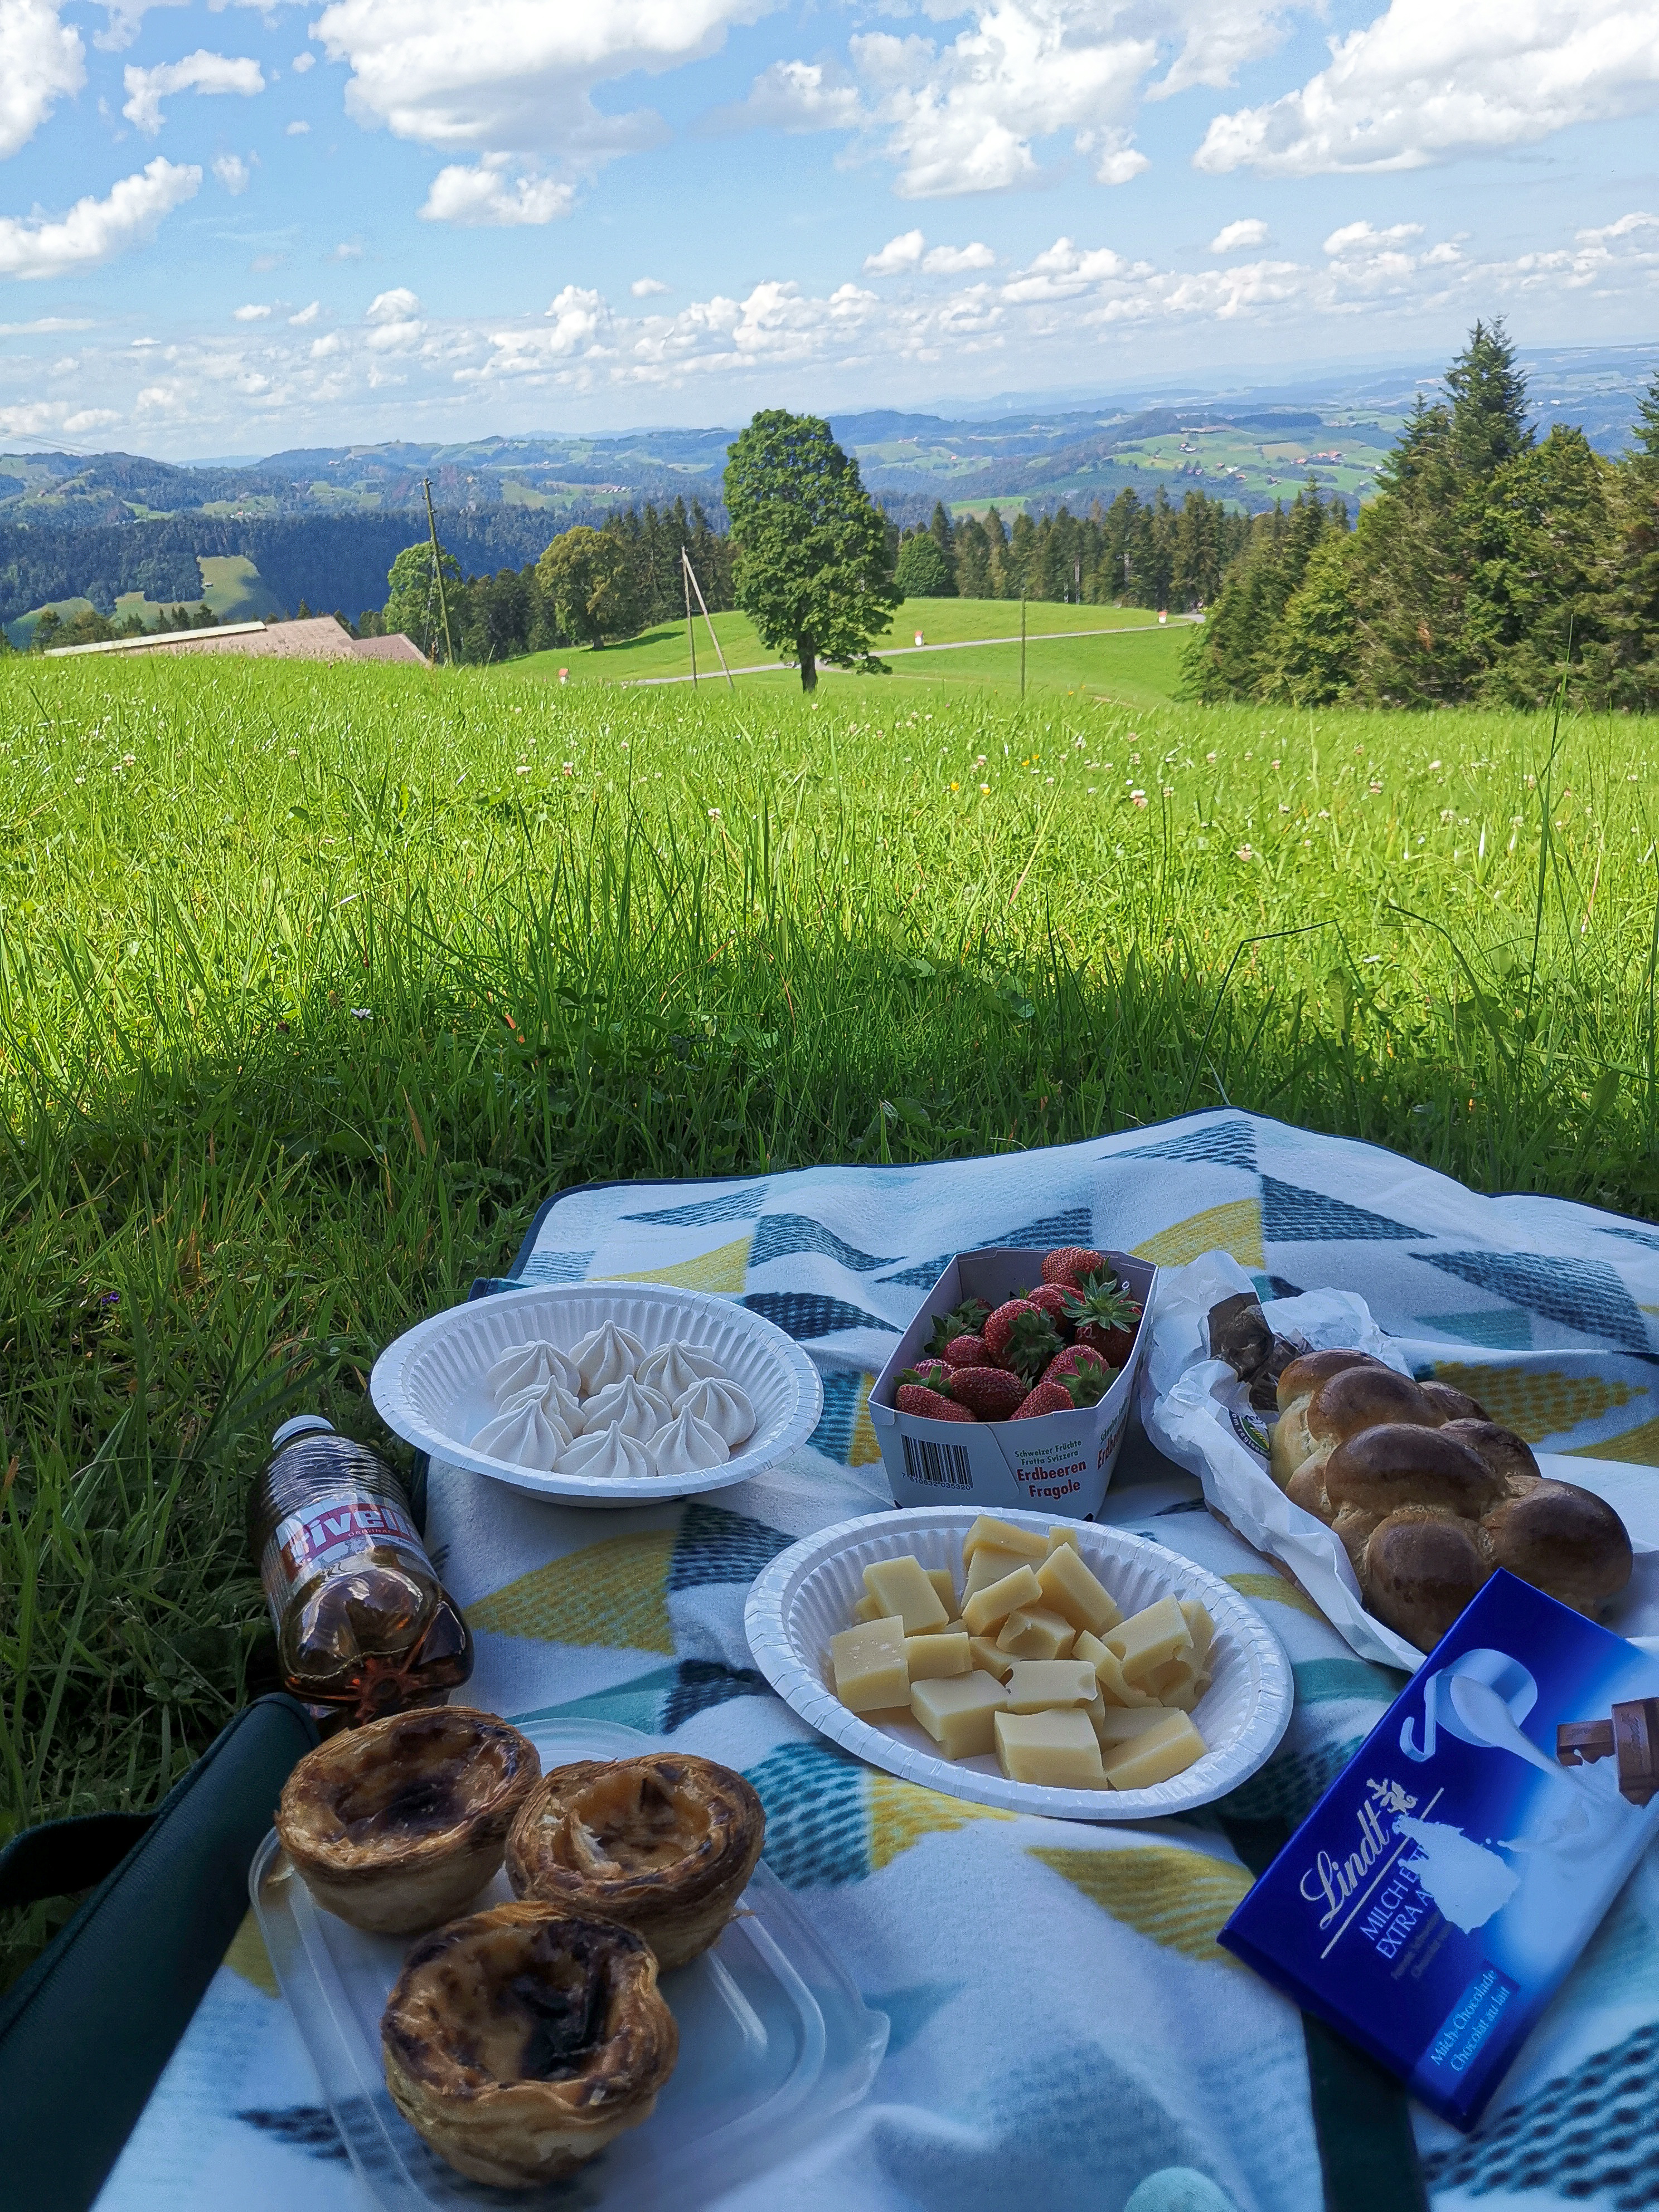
point(722, 1406)
point(607, 1452)
point(606, 1354)
point(555, 1400)
point(637, 1413)
point(522, 1366)
point(674, 1368)
point(525, 1438)
point(686, 1446)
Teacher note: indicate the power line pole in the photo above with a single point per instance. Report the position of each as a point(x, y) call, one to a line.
point(1022, 645)
point(690, 626)
point(438, 570)
point(703, 604)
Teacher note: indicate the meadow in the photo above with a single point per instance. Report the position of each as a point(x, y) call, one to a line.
point(315, 981)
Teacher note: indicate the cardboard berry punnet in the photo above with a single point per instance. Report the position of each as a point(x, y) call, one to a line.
point(1058, 1463)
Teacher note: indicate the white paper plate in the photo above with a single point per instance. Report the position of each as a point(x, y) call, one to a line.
point(428, 1386)
point(807, 1595)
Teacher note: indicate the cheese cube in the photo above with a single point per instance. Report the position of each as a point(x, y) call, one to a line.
point(903, 1589)
point(1069, 1589)
point(1200, 1627)
point(989, 1565)
point(1108, 1673)
point(1116, 1725)
point(1025, 1543)
point(1176, 1683)
point(988, 1655)
point(1155, 1755)
point(945, 1582)
point(958, 1712)
point(1148, 1638)
point(927, 1656)
point(869, 1662)
point(869, 1608)
point(1063, 1532)
point(1041, 1685)
point(990, 1606)
point(1033, 1632)
point(1058, 1750)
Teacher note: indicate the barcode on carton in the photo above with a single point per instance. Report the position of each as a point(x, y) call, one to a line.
point(946, 1464)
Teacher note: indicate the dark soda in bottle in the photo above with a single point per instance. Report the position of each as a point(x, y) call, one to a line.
point(364, 1626)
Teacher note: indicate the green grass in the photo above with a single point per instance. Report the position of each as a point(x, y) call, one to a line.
point(315, 981)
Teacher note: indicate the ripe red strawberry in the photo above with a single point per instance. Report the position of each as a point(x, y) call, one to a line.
point(1105, 1318)
point(933, 1374)
point(1089, 1382)
point(991, 1393)
point(1047, 1398)
point(1080, 1359)
point(966, 1350)
point(916, 1398)
point(965, 1320)
point(1071, 1265)
point(1050, 1298)
point(1020, 1337)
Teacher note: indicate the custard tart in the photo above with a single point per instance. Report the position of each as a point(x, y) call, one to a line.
point(665, 1844)
point(398, 1825)
point(522, 2040)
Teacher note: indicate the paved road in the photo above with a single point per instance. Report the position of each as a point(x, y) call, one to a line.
point(896, 652)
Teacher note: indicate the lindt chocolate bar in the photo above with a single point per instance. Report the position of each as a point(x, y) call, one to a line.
point(1430, 1904)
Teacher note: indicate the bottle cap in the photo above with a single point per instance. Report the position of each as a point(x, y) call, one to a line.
point(302, 1425)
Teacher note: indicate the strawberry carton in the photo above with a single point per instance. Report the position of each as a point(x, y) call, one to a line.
point(1013, 1385)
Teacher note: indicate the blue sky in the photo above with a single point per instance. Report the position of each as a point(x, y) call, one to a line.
point(229, 228)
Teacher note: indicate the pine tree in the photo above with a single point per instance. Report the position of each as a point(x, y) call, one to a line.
point(1489, 424)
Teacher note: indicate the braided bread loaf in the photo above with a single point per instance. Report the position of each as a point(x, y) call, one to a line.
point(1429, 1498)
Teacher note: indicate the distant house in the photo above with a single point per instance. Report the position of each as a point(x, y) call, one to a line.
point(319, 638)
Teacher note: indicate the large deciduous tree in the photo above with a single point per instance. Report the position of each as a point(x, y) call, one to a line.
point(812, 571)
point(589, 577)
point(413, 606)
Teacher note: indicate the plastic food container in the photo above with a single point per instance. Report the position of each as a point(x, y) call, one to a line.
point(1058, 1463)
point(774, 2040)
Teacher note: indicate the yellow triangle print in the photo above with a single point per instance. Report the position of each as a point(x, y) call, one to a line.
point(613, 1593)
point(864, 1451)
point(1235, 1228)
point(1275, 1589)
point(901, 1813)
point(1641, 1445)
point(1180, 1899)
point(1543, 1402)
point(722, 1269)
point(248, 1957)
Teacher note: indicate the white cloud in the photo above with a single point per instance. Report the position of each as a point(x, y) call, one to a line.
point(302, 63)
point(44, 62)
point(395, 320)
point(324, 349)
point(394, 307)
point(647, 288)
point(48, 418)
point(96, 230)
point(1248, 232)
point(200, 72)
point(903, 251)
point(253, 312)
point(1353, 234)
point(88, 419)
point(346, 251)
point(1426, 82)
point(487, 196)
point(233, 172)
point(956, 260)
point(795, 96)
point(45, 325)
point(298, 130)
point(306, 315)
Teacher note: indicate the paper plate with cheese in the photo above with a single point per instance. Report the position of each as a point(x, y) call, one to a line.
point(1054, 1667)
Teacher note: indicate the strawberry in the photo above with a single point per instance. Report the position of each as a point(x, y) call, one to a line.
point(990, 1393)
point(1087, 1382)
point(964, 1320)
point(1020, 1337)
point(1050, 1298)
point(966, 1350)
point(916, 1398)
point(1073, 1265)
point(1080, 1359)
point(1105, 1318)
point(932, 1374)
point(1047, 1398)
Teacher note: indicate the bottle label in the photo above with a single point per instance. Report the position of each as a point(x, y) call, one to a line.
point(329, 1530)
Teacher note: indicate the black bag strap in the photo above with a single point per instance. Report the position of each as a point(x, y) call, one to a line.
point(117, 1989)
point(60, 1857)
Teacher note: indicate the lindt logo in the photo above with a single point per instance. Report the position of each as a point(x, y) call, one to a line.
point(1331, 1882)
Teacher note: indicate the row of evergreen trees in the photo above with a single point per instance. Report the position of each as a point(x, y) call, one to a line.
point(1137, 553)
point(1492, 561)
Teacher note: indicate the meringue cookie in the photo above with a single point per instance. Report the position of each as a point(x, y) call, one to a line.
point(523, 1366)
point(722, 1406)
point(526, 1437)
point(606, 1452)
point(638, 1414)
point(673, 1369)
point(555, 1400)
point(686, 1446)
point(606, 1354)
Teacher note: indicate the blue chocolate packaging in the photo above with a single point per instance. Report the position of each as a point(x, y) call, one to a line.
point(1434, 1898)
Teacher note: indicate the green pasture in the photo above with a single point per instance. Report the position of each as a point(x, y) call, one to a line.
point(315, 981)
point(232, 587)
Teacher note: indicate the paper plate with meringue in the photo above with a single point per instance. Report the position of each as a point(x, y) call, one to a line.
point(600, 1394)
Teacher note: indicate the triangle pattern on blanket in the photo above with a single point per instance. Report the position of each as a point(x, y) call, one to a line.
point(1645, 1237)
point(1638, 1445)
point(1072, 1226)
point(635, 1703)
point(1291, 1215)
point(1275, 1589)
point(736, 1206)
point(722, 1269)
point(902, 1813)
point(715, 1546)
point(804, 1315)
point(1540, 1402)
point(833, 1436)
point(815, 1818)
point(699, 1685)
point(612, 1593)
point(248, 1957)
point(1179, 1900)
point(1227, 1143)
point(553, 1267)
point(782, 1235)
point(1235, 1228)
point(866, 1449)
point(1500, 1329)
point(1581, 2134)
point(1585, 1295)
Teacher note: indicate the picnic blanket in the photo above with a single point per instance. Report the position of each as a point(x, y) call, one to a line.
point(1064, 2028)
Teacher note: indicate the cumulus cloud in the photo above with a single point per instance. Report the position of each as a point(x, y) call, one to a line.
point(956, 260)
point(44, 418)
point(96, 230)
point(297, 130)
point(487, 196)
point(899, 253)
point(794, 96)
point(1426, 82)
point(233, 172)
point(253, 312)
point(647, 287)
point(302, 63)
point(394, 320)
point(44, 62)
point(1240, 237)
point(200, 72)
point(306, 315)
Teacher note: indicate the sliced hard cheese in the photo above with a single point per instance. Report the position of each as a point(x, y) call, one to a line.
point(1024, 1543)
point(1056, 1750)
point(869, 1608)
point(988, 1655)
point(1200, 1627)
point(869, 1662)
point(1033, 1632)
point(927, 1656)
point(1069, 1589)
point(945, 1582)
point(901, 1587)
point(1156, 1754)
point(1108, 1671)
point(1147, 1638)
point(990, 1607)
point(989, 1565)
point(958, 1711)
point(1041, 1685)
point(1063, 1532)
point(1116, 1725)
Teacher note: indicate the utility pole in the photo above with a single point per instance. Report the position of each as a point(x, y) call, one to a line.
point(690, 626)
point(692, 573)
point(1022, 645)
point(438, 570)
